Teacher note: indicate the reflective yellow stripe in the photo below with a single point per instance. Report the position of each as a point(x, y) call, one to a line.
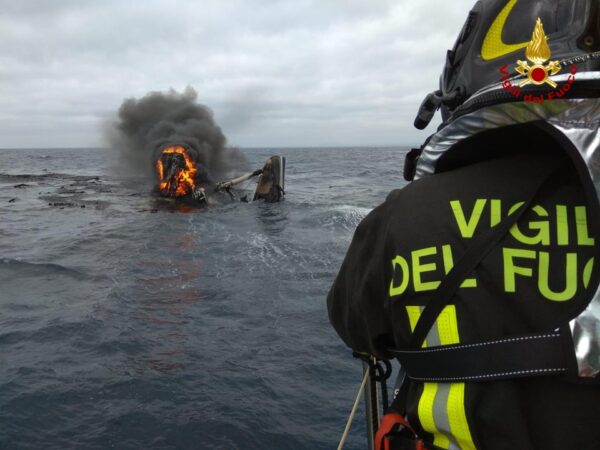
point(457, 417)
point(455, 409)
point(426, 402)
point(426, 415)
point(452, 414)
point(414, 312)
point(448, 326)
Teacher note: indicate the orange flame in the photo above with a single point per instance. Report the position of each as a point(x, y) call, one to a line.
point(184, 182)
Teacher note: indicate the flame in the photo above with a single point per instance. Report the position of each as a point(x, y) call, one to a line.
point(184, 182)
point(538, 50)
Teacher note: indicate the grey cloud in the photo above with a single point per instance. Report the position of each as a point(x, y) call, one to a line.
point(269, 70)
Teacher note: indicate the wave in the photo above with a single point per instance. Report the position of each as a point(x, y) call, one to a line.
point(25, 268)
point(346, 217)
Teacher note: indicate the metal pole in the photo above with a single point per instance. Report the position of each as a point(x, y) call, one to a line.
point(228, 184)
point(371, 404)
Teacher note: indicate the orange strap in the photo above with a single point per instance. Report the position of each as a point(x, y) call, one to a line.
point(388, 422)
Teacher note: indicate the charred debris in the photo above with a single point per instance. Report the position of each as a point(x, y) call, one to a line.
point(180, 177)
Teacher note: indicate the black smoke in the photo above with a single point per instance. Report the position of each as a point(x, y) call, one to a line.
point(147, 125)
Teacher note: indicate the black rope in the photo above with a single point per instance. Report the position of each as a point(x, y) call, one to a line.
point(383, 373)
point(380, 371)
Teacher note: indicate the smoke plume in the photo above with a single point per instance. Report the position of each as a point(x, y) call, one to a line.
point(145, 126)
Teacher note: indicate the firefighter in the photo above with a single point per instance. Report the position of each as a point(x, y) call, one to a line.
point(481, 276)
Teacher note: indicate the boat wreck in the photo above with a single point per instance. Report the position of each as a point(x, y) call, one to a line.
point(182, 178)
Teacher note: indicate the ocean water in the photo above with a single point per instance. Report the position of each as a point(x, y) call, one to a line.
point(130, 323)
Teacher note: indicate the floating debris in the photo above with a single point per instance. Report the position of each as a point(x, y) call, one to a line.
point(62, 204)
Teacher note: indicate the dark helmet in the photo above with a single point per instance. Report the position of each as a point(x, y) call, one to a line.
point(496, 33)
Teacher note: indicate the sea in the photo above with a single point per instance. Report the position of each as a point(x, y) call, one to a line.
point(130, 322)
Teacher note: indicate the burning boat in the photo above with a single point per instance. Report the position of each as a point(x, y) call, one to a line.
point(180, 177)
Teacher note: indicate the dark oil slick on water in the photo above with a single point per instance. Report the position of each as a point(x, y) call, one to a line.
point(127, 322)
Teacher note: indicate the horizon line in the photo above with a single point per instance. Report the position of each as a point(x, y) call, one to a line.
point(290, 147)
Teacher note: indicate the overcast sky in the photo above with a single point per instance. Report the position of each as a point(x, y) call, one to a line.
point(275, 73)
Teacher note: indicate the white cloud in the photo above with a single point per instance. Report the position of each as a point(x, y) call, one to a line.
point(279, 73)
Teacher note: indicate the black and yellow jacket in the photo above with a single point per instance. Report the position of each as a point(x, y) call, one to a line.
point(542, 274)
